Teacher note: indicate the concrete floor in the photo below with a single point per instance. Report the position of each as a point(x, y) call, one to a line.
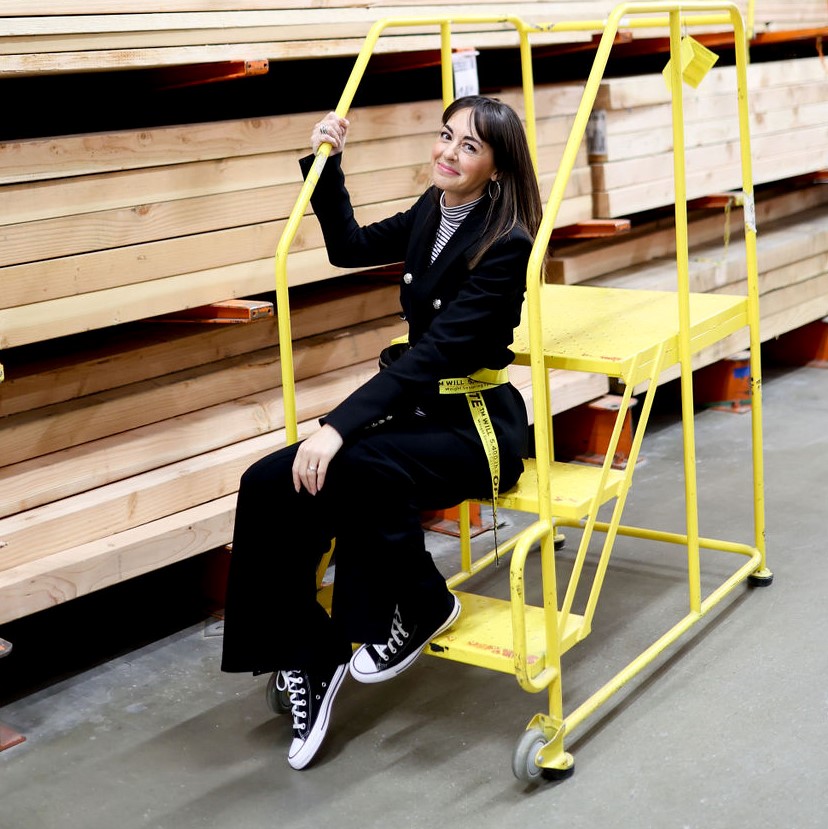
point(729, 729)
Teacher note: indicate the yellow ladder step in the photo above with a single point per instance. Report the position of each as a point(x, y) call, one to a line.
point(482, 635)
point(573, 488)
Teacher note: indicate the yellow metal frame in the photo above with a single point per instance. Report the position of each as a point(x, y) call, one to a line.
point(630, 335)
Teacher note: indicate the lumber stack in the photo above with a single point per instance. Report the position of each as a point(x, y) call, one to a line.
point(46, 36)
point(777, 15)
point(632, 139)
point(124, 437)
point(103, 229)
point(142, 469)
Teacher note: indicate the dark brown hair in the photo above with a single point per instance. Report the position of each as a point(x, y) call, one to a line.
point(518, 202)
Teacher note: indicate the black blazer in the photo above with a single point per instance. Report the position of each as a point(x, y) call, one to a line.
point(460, 320)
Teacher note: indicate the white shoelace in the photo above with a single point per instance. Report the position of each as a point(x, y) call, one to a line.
point(294, 683)
point(397, 639)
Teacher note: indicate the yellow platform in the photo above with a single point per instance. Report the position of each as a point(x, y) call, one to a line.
point(602, 330)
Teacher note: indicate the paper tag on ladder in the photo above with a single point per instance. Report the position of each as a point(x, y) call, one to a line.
point(464, 63)
point(696, 61)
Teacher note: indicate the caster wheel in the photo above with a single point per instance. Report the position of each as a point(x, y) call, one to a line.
point(276, 694)
point(523, 760)
point(764, 578)
point(560, 541)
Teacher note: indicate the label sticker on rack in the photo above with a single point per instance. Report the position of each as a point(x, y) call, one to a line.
point(464, 63)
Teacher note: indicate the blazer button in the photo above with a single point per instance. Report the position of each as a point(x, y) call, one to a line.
point(437, 304)
point(408, 278)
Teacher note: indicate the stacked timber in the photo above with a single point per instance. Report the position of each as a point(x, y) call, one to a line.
point(46, 36)
point(124, 437)
point(632, 138)
point(787, 15)
point(113, 227)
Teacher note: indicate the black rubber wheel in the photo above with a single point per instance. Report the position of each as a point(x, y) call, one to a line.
point(523, 760)
point(277, 696)
point(560, 541)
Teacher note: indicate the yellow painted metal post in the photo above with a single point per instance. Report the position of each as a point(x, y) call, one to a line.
point(683, 268)
point(753, 288)
point(446, 65)
point(541, 407)
point(751, 21)
point(528, 94)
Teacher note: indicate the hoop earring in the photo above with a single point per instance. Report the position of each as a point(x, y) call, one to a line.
point(496, 195)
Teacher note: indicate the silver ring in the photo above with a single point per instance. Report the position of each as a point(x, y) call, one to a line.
point(311, 469)
point(324, 129)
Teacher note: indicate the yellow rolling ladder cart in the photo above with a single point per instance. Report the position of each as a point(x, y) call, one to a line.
point(630, 335)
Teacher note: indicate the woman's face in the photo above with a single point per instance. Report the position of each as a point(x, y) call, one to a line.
point(462, 164)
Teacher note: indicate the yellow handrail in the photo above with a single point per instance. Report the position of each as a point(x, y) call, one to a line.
point(303, 199)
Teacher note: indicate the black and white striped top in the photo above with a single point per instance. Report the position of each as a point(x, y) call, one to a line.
point(449, 222)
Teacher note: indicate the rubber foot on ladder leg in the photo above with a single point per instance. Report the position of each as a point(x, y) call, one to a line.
point(761, 578)
point(558, 774)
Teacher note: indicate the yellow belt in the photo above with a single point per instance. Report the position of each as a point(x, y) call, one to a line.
point(473, 387)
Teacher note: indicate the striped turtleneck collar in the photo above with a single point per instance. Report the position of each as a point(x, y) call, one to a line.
point(450, 220)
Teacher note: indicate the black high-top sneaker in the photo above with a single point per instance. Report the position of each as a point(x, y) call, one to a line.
point(408, 636)
point(311, 695)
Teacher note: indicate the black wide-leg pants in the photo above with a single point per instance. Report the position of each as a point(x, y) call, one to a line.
point(371, 503)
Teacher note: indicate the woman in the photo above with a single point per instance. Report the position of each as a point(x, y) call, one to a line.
point(397, 445)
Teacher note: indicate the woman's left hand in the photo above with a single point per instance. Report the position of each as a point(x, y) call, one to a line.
point(331, 130)
point(310, 466)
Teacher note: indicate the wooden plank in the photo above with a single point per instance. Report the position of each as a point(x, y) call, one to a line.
point(115, 59)
point(637, 171)
point(712, 266)
point(42, 431)
point(80, 570)
point(153, 494)
point(811, 154)
point(761, 103)
point(567, 389)
point(593, 10)
point(93, 193)
point(43, 280)
point(723, 130)
point(48, 199)
point(33, 483)
point(75, 155)
point(75, 367)
point(67, 235)
point(77, 233)
point(645, 90)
